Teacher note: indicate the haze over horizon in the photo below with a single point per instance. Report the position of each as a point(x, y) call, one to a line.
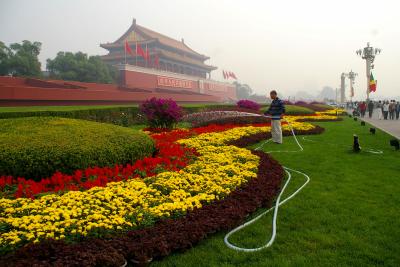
point(289, 46)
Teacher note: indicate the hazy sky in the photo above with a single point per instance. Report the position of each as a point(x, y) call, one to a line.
point(284, 45)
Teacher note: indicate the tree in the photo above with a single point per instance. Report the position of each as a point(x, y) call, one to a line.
point(243, 91)
point(20, 59)
point(5, 54)
point(80, 67)
point(24, 60)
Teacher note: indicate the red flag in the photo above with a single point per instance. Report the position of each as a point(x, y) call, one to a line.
point(139, 51)
point(128, 48)
point(372, 83)
point(233, 75)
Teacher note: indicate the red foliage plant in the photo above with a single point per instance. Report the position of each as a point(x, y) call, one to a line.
point(169, 156)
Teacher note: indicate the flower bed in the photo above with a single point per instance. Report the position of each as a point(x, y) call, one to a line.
point(248, 104)
point(149, 217)
point(134, 202)
point(208, 117)
point(166, 236)
point(245, 118)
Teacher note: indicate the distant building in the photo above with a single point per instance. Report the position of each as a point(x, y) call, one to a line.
point(174, 56)
point(171, 66)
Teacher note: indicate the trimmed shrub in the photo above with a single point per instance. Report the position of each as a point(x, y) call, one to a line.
point(123, 116)
point(295, 110)
point(161, 113)
point(37, 147)
point(314, 107)
point(248, 104)
point(323, 107)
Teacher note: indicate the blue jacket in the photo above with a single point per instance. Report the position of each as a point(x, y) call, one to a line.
point(276, 109)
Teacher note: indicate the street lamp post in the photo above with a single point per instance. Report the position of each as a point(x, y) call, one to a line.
point(342, 87)
point(352, 76)
point(368, 53)
point(336, 95)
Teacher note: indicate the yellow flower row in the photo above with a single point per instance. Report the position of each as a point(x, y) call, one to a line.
point(320, 116)
point(221, 138)
point(332, 112)
point(215, 173)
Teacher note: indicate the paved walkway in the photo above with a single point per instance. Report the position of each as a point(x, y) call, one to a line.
point(390, 126)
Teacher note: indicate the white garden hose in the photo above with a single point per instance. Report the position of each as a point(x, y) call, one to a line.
point(277, 204)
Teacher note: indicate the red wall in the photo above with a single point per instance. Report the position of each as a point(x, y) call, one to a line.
point(145, 80)
point(14, 91)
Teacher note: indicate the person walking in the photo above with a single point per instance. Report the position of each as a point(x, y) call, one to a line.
point(392, 109)
point(379, 109)
point(370, 108)
point(276, 110)
point(397, 110)
point(385, 109)
point(363, 108)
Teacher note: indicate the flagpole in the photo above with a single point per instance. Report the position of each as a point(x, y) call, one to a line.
point(125, 52)
point(368, 53)
point(136, 54)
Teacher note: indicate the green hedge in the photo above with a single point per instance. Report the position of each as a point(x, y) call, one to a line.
point(292, 110)
point(123, 116)
point(327, 107)
point(118, 115)
point(36, 147)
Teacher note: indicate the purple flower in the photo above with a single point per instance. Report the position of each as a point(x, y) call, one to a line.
point(248, 104)
point(161, 113)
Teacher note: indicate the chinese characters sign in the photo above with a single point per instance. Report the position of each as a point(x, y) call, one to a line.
point(173, 82)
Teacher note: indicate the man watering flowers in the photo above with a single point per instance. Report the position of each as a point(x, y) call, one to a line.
point(276, 111)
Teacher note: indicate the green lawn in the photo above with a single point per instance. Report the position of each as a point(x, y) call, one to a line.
point(348, 215)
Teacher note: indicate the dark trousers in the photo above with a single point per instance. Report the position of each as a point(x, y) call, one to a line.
point(385, 115)
point(397, 114)
point(370, 113)
point(391, 115)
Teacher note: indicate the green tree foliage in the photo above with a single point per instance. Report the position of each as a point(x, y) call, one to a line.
point(20, 59)
point(243, 91)
point(80, 67)
point(5, 53)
